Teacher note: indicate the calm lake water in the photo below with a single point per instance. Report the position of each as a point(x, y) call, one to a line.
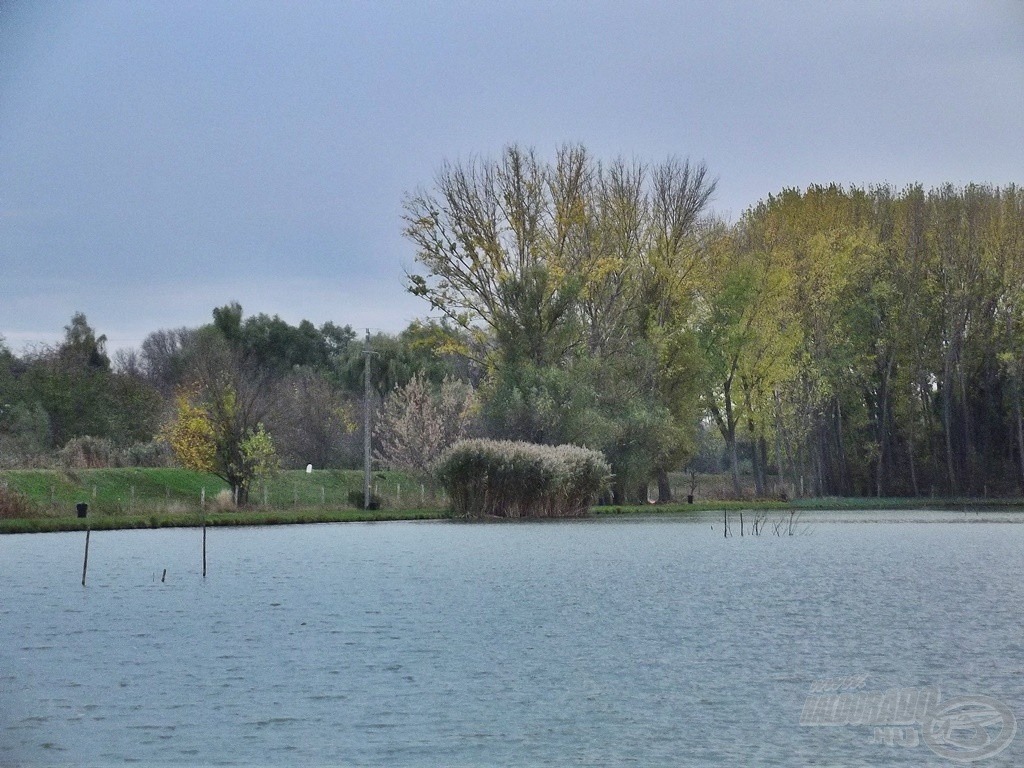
point(611, 642)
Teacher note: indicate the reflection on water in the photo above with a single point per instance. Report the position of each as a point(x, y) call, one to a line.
point(605, 642)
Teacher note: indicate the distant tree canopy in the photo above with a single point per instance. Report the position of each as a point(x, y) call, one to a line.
point(272, 343)
point(574, 279)
point(54, 394)
point(832, 341)
point(840, 340)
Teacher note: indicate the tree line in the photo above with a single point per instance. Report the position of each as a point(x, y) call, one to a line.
point(832, 341)
point(235, 397)
point(839, 340)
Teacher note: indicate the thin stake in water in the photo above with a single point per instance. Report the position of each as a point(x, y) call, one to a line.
point(204, 546)
point(85, 562)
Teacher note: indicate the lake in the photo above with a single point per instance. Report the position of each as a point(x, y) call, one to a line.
point(606, 642)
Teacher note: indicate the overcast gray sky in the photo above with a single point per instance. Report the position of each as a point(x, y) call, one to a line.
point(158, 159)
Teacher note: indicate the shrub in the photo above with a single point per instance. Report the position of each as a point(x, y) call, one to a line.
point(418, 423)
point(87, 453)
point(14, 504)
point(224, 501)
point(488, 478)
point(156, 453)
point(358, 498)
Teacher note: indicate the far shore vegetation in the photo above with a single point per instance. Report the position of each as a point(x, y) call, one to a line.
point(832, 343)
point(166, 498)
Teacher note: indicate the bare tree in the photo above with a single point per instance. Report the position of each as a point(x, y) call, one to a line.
point(417, 424)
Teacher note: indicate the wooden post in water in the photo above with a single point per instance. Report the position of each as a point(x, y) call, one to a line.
point(204, 546)
point(85, 562)
point(741, 524)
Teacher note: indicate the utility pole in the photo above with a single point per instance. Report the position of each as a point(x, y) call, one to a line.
point(368, 354)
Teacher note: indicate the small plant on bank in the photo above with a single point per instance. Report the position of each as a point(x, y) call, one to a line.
point(489, 478)
point(15, 505)
point(87, 453)
point(357, 499)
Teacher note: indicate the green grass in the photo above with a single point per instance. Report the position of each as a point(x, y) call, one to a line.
point(824, 504)
point(699, 506)
point(155, 498)
point(146, 498)
point(110, 491)
point(192, 520)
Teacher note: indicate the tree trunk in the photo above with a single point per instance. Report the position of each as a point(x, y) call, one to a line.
point(618, 495)
point(947, 422)
point(727, 426)
point(884, 416)
point(910, 457)
point(734, 458)
point(756, 462)
point(240, 493)
point(845, 481)
point(664, 488)
point(1018, 413)
point(968, 450)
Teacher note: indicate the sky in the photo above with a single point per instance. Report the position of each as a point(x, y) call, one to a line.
point(160, 159)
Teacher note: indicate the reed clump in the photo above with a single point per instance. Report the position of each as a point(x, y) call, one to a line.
point(497, 478)
point(14, 505)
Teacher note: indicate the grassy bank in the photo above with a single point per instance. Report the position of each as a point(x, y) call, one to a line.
point(157, 498)
point(153, 498)
point(191, 519)
point(825, 504)
point(126, 491)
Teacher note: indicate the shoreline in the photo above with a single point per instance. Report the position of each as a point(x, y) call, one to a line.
point(307, 516)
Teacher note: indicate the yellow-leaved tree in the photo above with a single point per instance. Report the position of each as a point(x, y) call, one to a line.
point(207, 435)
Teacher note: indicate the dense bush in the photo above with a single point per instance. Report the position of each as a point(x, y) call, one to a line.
point(87, 453)
point(14, 504)
point(155, 453)
point(487, 478)
point(357, 499)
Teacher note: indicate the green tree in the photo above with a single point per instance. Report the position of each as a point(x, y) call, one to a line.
point(572, 281)
point(224, 405)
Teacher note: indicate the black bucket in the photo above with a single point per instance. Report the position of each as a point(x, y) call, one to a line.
point(82, 508)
